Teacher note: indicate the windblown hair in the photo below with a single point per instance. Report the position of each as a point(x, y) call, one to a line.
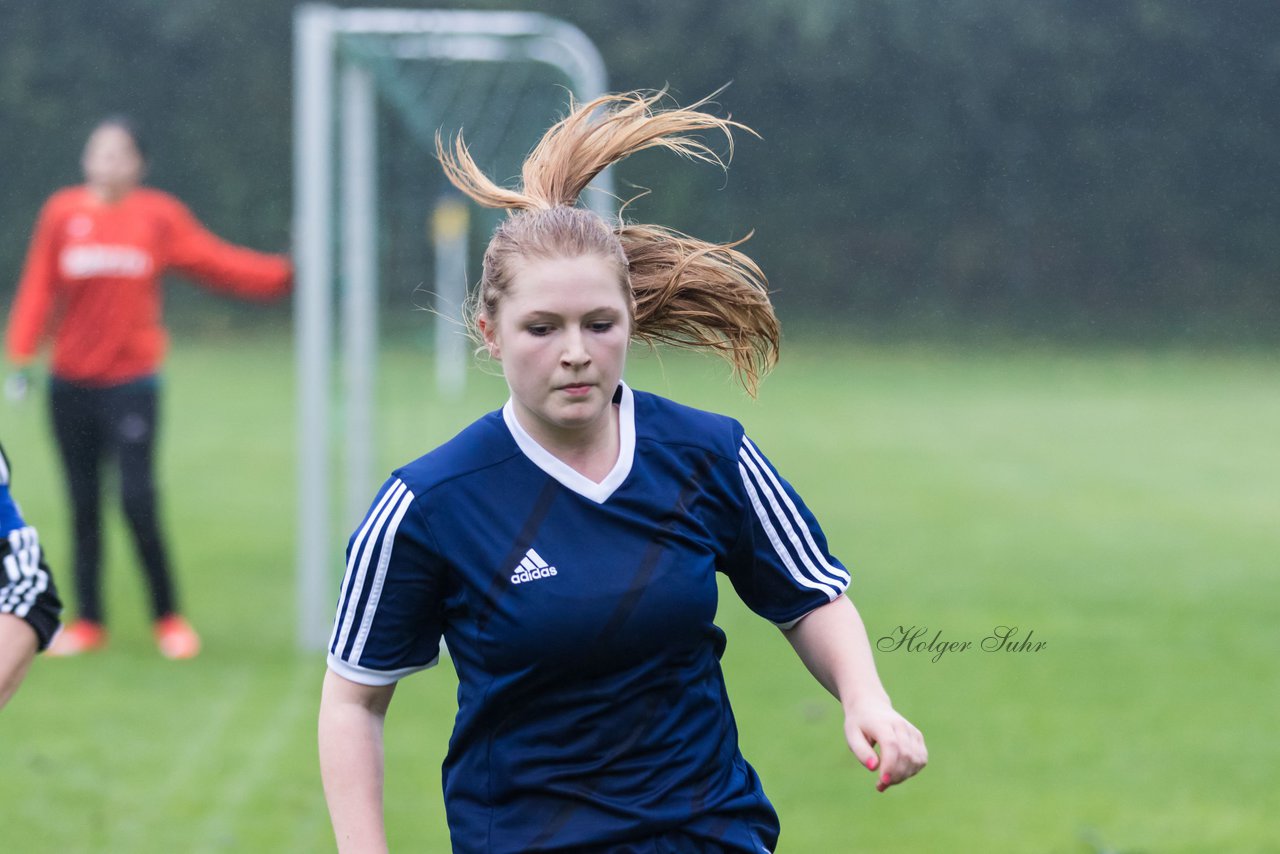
point(686, 292)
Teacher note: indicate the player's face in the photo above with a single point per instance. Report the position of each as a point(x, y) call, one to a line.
point(111, 162)
point(561, 333)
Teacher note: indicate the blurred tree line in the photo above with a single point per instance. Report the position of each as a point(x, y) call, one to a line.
point(1069, 168)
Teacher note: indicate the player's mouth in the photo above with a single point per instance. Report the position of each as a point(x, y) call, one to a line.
point(576, 389)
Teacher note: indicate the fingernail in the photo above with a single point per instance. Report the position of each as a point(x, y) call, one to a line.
point(884, 778)
point(871, 764)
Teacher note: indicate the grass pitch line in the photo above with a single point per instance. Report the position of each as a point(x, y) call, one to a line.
point(190, 764)
point(311, 828)
point(301, 695)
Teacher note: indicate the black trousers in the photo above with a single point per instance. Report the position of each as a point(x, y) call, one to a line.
point(97, 427)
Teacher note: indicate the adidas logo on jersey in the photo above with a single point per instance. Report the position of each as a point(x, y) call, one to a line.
point(532, 568)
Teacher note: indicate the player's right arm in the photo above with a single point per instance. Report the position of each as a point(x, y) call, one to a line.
point(29, 604)
point(351, 718)
point(18, 645)
point(35, 295)
point(388, 625)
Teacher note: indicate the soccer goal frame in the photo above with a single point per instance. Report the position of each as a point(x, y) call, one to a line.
point(335, 97)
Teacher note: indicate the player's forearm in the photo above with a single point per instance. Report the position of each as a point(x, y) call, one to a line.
point(26, 321)
point(18, 646)
point(231, 269)
point(832, 642)
point(351, 764)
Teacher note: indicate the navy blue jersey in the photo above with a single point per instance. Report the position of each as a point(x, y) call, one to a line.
point(580, 618)
point(26, 587)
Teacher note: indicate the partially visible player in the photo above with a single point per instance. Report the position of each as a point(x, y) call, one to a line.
point(92, 282)
point(29, 605)
point(567, 546)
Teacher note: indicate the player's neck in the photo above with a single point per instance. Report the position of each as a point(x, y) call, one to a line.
point(591, 451)
point(108, 194)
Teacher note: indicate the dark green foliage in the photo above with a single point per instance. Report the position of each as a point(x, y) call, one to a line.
point(1070, 168)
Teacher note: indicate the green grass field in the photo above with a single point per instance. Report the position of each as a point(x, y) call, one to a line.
point(1124, 507)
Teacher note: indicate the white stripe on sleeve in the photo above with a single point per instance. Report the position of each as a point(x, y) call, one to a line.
point(27, 580)
point(828, 572)
point(772, 534)
point(358, 565)
point(379, 576)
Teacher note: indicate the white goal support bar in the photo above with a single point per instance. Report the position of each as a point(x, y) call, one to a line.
point(319, 31)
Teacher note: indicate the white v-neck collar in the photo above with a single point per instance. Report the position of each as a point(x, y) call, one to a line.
point(565, 474)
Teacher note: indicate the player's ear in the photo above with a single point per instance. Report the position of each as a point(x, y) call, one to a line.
point(489, 332)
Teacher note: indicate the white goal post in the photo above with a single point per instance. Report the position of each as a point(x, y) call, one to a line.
point(325, 76)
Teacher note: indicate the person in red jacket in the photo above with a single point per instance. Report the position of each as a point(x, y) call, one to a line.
point(92, 282)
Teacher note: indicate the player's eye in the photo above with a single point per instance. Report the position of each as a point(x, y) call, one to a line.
point(539, 329)
point(601, 325)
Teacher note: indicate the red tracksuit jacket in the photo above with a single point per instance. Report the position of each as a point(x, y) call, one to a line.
point(93, 277)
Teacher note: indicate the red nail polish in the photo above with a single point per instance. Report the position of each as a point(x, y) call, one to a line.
point(884, 778)
point(871, 764)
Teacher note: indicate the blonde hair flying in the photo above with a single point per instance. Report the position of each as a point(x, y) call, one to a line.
point(687, 292)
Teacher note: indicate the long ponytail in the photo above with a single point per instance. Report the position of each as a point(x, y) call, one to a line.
point(687, 292)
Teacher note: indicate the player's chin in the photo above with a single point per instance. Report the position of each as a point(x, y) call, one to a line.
point(578, 413)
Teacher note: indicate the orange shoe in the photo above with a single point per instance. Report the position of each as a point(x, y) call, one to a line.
point(79, 637)
point(176, 638)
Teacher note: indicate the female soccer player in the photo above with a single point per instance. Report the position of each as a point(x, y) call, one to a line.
point(29, 604)
point(567, 546)
point(93, 274)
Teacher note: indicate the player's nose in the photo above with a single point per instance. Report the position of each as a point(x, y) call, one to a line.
point(575, 351)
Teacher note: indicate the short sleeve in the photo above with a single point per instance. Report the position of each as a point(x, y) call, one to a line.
point(780, 567)
point(388, 622)
point(27, 590)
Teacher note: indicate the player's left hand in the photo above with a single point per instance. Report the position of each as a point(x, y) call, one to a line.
point(874, 723)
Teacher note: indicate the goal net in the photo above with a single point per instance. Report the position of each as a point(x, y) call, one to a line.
point(376, 226)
